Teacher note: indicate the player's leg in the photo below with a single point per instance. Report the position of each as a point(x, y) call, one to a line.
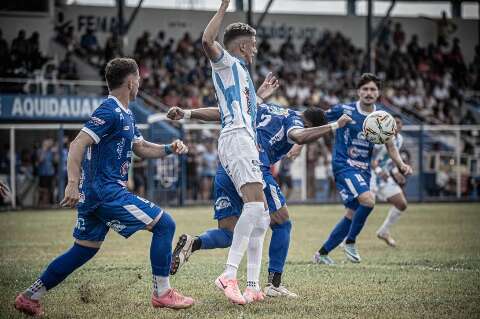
point(89, 234)
point(399, 206)
point(129, 214)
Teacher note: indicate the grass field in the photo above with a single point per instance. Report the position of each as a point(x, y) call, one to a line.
point(435, 272)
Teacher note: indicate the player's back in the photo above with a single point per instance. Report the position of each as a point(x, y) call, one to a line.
point(235, 93)
point(273, 125)
point(106, 162)
point(351, 149)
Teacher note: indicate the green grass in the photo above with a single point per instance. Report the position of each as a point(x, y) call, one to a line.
point(434, 273)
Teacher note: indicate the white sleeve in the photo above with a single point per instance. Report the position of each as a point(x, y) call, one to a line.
point(224, 61)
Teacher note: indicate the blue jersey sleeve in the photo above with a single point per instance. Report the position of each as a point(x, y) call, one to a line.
point(293, 121)
point(137, 134)
point(101, 123)
point(334, 113)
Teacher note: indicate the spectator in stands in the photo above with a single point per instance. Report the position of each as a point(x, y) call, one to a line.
point(67, 70)
point(398, 36)
point(47, 156)
point(384, 34)
point(112, 48)
point(142, 46)
point(4, 55)
point(35, 57)
point(90, 47)
point(20, 49)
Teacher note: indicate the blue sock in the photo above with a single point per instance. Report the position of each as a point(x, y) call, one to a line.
point(65, 264)
point(161, 246)
point(216, 238)
point(358, 221)
point(279, 243)
point(336, 236)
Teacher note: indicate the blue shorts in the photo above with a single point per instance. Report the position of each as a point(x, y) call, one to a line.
point(228, 203)
point(126, 214)
point(351, 183)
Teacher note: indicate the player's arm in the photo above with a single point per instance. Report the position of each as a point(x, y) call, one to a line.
point(209, 114)
point(397, 159)
point(308, 135)
point(145, 149)
point(295, 151)
point(74, 161)
point(212, 48)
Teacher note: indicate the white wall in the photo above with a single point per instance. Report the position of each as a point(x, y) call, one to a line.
point(177, 22)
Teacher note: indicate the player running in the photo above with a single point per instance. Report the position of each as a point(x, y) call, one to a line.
point(351, 166)
point(237, 149)
point(97, 166)
point(278, 130)
point(387, 184)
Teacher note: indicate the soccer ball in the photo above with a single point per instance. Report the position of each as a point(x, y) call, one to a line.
point(379, 127)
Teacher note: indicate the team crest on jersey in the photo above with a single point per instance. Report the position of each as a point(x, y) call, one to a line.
point(116, 226)
point(222, 203)
point(97, 121)
point(124, 168)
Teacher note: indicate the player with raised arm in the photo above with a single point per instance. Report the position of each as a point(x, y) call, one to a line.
point(352, 155)
point(237, 148)
point(278, 130)
point(97, 166)
point(387, 183)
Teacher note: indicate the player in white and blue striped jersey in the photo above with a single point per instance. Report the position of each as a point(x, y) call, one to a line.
point(387, 183)
point(237, 149)
point(352, 155)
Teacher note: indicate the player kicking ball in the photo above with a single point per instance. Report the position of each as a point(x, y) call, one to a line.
point(387, 183)
point(352, 155)
point(97, 166)
point(278, 129)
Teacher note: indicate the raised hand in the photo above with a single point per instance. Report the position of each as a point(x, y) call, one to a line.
point(175, 113)
point(179, 148)
point(344, 120)
point(268, 87)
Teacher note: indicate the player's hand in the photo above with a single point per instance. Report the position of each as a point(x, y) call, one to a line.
point(179, 148)
point(4, 191)
point(343, 120)
point(268, 87)
point(406, 169)
point(72, 195)
point(294, 152)
point(175, 113)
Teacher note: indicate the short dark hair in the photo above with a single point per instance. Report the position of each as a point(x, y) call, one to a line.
point(316, 116)
point(235, 30)
point(369, 77)
point(117, 70)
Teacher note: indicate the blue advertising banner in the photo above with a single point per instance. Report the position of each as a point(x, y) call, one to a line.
point(47, 108)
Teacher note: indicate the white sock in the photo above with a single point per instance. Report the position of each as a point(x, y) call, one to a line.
point(241, 235)
point(160, 284)
point(255, 249)
point(36, 290)
point(392, 217)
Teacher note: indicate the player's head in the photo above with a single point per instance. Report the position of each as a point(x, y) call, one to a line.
point(122, 73)
point(368, 89)
point(239, 38)
point(314, 116)
point(399, 122)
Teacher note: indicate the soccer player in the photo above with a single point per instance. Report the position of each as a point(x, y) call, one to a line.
point(387, 184)
point(278, 130)
point(351, 166)
point(97, 166)
point(237, 148)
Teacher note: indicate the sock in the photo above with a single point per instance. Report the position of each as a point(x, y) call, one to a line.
point(255, 249)
point(336, 236)
point(279, 244)
point(243, 229)
point(197, 244)
point(275, 278)
point(358, 221)
point(160, 284)
point(215, 238)
point(392, 217)
point(59, 269)
point(161, 252)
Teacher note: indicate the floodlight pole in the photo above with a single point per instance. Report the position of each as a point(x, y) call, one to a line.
point(120, 24)
point(250, 12)
point(369, 36)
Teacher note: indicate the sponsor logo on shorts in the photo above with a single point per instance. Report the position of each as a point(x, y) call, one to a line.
point(80, 225)
point(116, 225)
point(343, 194)
point(222, 203)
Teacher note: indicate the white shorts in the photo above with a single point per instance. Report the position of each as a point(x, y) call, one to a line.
point(387, 189)
point(238, 155)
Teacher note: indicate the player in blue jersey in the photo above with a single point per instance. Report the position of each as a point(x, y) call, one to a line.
point(97, 165)
point(278, 129)
point(237, 150)
point(352, 155)
point(387, 183)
